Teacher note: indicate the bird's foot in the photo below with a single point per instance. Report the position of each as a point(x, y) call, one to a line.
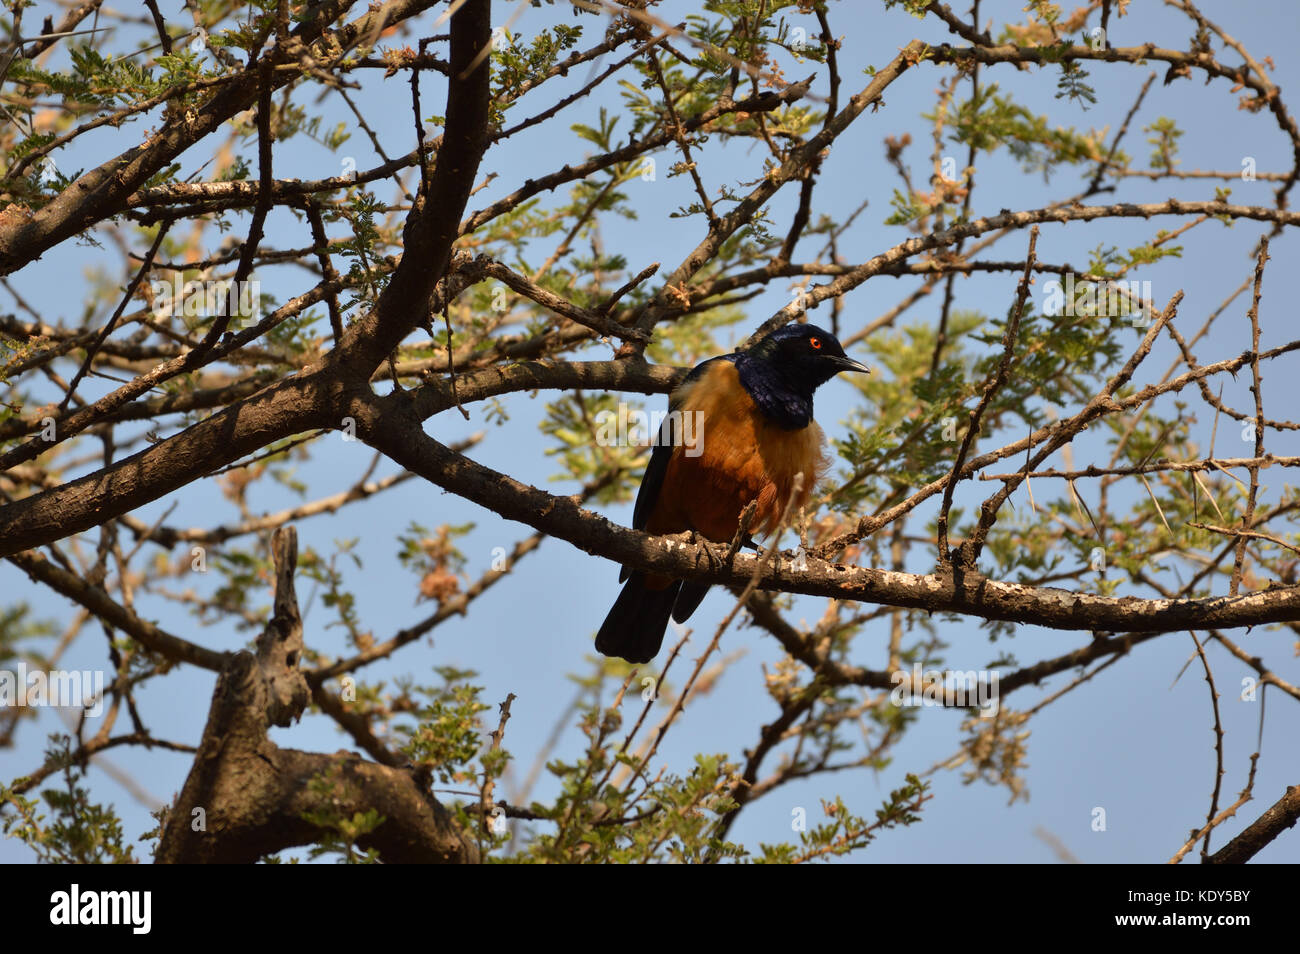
point(706, 545)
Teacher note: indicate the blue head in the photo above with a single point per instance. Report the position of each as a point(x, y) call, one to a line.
point(783, 369)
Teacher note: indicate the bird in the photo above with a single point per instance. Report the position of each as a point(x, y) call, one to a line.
point(751, 416)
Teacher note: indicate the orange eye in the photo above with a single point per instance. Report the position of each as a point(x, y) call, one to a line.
point(815, 342)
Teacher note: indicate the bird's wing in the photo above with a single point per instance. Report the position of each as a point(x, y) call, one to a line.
point(653, 480)
point(651, 484)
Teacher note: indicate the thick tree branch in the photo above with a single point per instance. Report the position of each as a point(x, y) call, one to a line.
point(103, 191)
point(1282, 815)
point(389, 425)
point(434, 223)
point(246, 798)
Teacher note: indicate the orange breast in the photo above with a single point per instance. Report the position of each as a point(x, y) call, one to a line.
point(739, 456)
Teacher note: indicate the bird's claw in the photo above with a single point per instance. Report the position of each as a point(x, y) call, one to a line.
point(704, 543)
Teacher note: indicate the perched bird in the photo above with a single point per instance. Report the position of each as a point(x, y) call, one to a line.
point(751, 414)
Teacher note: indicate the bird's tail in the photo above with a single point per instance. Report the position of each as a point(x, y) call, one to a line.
point(634, 628)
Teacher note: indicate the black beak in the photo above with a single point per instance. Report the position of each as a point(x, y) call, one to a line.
point(848, 364)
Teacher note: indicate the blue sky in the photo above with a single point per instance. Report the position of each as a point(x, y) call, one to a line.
point(1136, 741)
